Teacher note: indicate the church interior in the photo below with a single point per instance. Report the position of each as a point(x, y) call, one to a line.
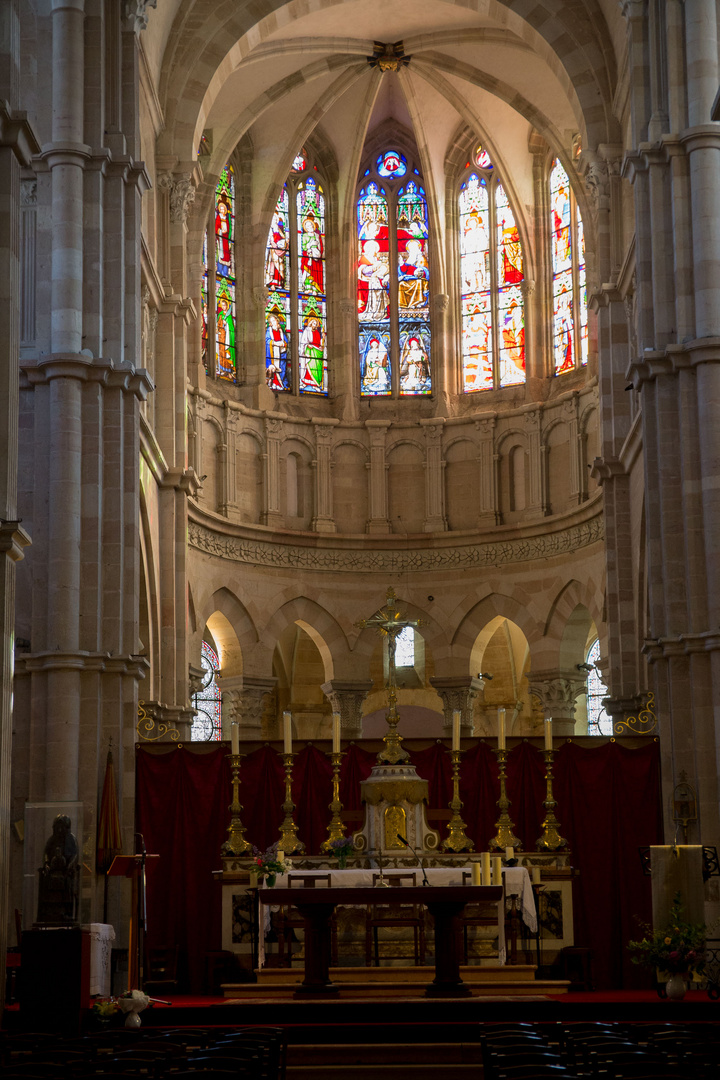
point(360, 497)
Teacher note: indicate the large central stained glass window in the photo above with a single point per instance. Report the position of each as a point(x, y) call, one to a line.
point(296, 307)
point(393, 280)
point(491, 280)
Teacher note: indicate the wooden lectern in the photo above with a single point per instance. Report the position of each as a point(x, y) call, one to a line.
point(133, 867)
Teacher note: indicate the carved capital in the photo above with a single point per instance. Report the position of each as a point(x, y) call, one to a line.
point(28, 192)
point(136, 12)
point(458, 695)
point(441, 302)
point(557, 694)
point(348, 306)
point(260, 296)
point(347, 699)
point(182, 195)
point(252, 702)
point(196, 678)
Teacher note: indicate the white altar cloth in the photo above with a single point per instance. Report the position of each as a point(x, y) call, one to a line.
point(516, 880)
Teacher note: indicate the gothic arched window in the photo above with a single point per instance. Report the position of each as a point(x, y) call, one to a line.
point(296, 308)
point(491, 279)
point(218, 284)
point(393, 280)
point(207, 726)
point(569, 279)
point(599, 723)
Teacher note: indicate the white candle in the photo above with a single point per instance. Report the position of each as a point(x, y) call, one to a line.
point(486, 878)
point(287, 733)
point(456, 730)
point(501, 729)
point(497, 870)
point(509, 853)
point(548, 735)
point(476, 873)
point(536, 875)
point(235, 738)
point(336, 732)
point(280, 855)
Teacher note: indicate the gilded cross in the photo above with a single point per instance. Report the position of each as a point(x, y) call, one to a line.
point(389, 621)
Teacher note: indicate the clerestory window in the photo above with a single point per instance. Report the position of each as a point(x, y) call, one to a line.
point(569, 278)
point(491, 281)
point(219, 284)
point(393, 280)
point(295, 280)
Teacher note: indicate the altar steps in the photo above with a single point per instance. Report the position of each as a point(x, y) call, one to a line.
point(378, 982)
point(428, 1061)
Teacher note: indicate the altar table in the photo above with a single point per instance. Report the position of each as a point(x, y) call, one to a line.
point(515, 879)
point(445, 904)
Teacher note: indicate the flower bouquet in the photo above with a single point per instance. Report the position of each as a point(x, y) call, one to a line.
point(341, 849)
point(105, 1009)
point(675, 949)
point(270, 863)
point(132, 1004)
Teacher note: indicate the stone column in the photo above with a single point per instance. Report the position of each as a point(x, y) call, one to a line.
point(558, 691)
point(378, 521)
point(273, 438)
point(435, 520)
point(323, 520)
point(347, 698)
point(537, 487)
point(458, 693)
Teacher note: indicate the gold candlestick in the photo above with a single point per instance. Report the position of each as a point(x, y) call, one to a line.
point(289, 841)
point(336, 829)
point(236, 844)
point(505, 837)
point(551, 840)
point(456, 840)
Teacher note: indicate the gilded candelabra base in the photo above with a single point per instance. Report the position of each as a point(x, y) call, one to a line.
point(392, 753)
point(550, 839)
point(236, 844)
point(456, 840)
point(289, 841)
point(505, 836)
point(336, 828)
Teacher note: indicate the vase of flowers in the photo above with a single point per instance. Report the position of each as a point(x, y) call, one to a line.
point(269, 864)
point(341, 849)
point(675, 951)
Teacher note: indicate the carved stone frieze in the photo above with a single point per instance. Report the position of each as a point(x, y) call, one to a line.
point(402, 560)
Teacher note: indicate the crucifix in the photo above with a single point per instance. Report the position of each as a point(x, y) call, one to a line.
point(389, 622)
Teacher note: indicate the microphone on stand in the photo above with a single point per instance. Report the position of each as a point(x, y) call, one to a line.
point(406, 843)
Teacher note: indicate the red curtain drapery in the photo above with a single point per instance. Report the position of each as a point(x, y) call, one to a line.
point(608, 805)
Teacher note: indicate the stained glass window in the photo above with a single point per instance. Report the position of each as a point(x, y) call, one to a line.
point(393, 281)
point(599, 723)
point(204, 305)
point(295, 277)
point(225, 359)
point(569, 280)
point(492, 304)
point(207, 726)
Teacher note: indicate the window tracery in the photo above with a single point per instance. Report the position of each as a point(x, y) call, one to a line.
point(491, 281)
point(393, 280)
point(295, 277)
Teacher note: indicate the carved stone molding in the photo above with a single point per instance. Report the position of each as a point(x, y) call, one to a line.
point(525, 549)
point(347, 698)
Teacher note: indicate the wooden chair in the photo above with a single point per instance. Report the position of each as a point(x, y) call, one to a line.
point(161, 970)
point(393, 913)
point(287, 920)
point(473, 915)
